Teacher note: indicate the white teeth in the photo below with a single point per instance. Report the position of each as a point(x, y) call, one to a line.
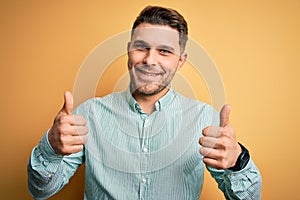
point(149, 73)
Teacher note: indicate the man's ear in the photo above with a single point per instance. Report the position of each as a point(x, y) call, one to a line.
point(181, 61)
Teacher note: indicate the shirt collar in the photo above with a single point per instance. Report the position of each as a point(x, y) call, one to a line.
point(159, 105)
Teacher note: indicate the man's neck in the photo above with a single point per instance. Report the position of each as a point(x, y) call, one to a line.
point(147, 102)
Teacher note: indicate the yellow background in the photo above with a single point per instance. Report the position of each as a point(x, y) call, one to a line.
point(255, 45)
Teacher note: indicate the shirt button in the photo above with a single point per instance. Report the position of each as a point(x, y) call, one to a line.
point(147, 121)
point(45, 162)
point(144, 180)
point(145, 149)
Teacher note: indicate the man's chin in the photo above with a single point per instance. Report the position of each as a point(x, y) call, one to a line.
point(149, 90)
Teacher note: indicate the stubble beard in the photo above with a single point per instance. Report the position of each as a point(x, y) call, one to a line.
point(150, 88)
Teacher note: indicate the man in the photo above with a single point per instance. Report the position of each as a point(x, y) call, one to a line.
point(144, 143)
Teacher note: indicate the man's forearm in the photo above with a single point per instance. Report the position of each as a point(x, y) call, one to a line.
point(49, 172)
point(244, 184)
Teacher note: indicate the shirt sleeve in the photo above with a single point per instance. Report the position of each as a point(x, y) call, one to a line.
point(243, 184)
point(49, 172)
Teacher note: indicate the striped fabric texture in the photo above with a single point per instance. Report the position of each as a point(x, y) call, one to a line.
point(132, 155)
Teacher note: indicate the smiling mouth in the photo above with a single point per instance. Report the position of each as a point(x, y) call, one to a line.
point(147, 73)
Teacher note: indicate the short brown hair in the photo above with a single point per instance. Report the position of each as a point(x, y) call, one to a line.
point(164, 16)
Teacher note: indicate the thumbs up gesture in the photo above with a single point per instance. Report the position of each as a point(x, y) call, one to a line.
point(219, 145)
point(69, 132)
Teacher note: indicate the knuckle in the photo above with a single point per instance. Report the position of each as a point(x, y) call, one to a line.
point(78, 119)
point(84, 140)
point(86, 129)
point(201, 150)
point(83, 130)
point(83, 120)
point(65, 141)
point(62, 141)
point(65, 129)
point(226, 133)
point(62, 119)
point(62, 129)
point(222, 130)
point(220, 143)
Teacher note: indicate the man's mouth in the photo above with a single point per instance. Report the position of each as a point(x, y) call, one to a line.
point(148, 73)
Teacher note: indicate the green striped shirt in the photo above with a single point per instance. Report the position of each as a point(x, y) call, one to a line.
point(132, 155)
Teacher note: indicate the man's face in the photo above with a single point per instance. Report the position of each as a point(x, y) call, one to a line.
point(153, 58)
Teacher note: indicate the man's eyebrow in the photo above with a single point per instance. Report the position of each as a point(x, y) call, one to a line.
point(163, 46)
point(140, 42)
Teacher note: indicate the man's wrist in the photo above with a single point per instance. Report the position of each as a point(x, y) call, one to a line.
point(242, 159)
point(47, 150)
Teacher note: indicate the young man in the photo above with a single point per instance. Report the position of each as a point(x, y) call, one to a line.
point(144, 143)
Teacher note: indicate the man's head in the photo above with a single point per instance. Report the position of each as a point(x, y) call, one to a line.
point(156, 15)
point(156, 50)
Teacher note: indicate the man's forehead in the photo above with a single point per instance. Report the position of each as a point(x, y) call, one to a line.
point(156, 35)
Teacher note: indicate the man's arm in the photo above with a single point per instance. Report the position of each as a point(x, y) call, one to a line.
point(221, 152)
point(59, 153)
point(48, 172)
point(244, 184)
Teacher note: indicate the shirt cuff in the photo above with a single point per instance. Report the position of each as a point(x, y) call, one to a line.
point(47, 151)
point(235, 176)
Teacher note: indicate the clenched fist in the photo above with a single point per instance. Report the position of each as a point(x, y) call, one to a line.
point(69, 132)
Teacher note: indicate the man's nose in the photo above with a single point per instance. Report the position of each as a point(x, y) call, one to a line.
point(150, 57)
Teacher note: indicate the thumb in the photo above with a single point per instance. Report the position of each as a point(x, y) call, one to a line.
point(224, 115)
point(68, 104)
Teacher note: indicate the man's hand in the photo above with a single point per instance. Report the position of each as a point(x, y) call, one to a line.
point(69, 132)
point(219, 146)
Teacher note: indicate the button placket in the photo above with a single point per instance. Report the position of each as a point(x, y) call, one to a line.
point(144, 181)
point(146, 122)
